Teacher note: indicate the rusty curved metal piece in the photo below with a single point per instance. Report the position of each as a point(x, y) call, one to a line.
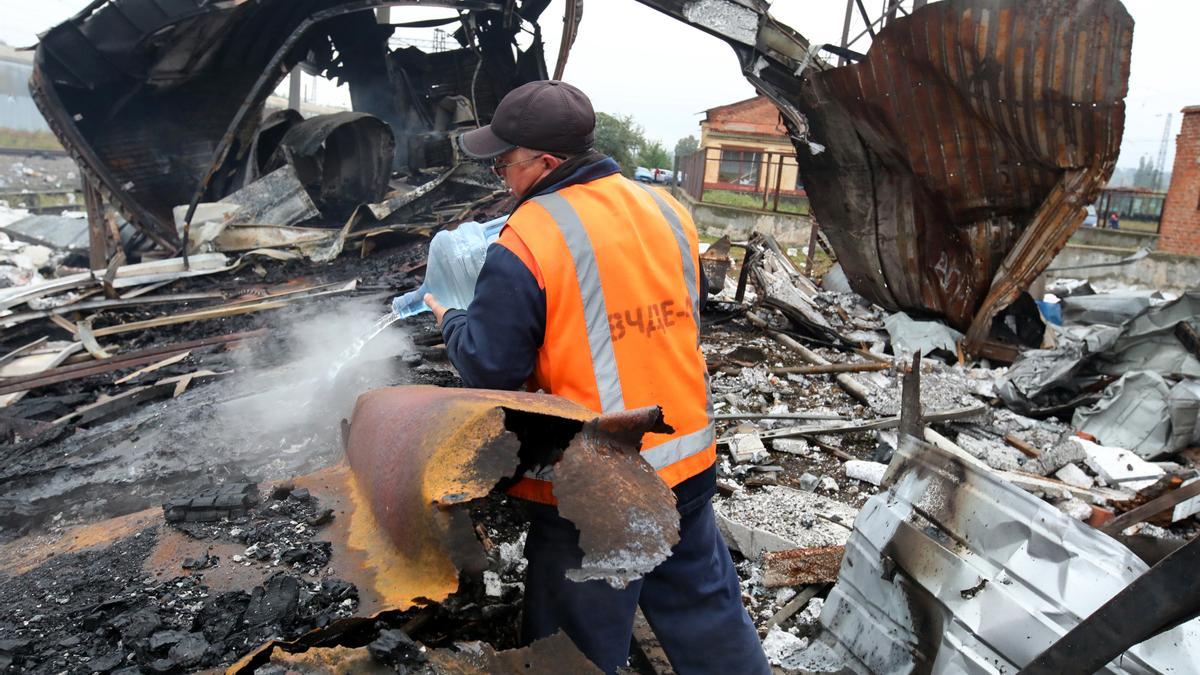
point(421, 453)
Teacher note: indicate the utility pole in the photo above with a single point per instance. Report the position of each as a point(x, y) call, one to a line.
point(1162, 153)
point(294, 89)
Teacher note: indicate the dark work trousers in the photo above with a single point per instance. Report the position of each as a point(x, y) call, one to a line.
point(692, 600)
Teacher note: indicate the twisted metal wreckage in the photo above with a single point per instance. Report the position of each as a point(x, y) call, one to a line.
point(947, 166)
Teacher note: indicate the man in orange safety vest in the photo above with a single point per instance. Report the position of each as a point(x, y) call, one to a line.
point(593, 292)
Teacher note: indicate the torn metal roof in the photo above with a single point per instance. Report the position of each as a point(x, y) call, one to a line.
point(960, 152)
point(951, 164)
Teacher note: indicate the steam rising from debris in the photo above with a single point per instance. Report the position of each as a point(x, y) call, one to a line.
point(296, 401)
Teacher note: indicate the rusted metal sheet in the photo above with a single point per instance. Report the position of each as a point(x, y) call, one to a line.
point(638, 524)
point(802, 566)
point(960, 152)
point(422, 453)
point(949, 166)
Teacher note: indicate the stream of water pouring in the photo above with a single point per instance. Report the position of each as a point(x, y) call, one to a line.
point(355, 349)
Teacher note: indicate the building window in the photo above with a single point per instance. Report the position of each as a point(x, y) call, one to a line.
point(739, 167)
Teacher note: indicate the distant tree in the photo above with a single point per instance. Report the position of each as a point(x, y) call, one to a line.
point(653, 155)
point(686, 146)
point(621, 138)
point(1144, 176)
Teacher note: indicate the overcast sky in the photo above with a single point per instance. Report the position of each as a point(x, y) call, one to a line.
point(635, 61)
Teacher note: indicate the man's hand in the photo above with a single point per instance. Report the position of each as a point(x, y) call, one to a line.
point(435, 307)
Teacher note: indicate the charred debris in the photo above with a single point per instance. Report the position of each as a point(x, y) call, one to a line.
point(176, 498)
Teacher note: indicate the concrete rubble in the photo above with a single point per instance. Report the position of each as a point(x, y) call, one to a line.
point(918, 469)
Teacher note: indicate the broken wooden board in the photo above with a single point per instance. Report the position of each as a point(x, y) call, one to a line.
point(647, 644)
point(132, 359)
point(124, 276)
point(802, 566)
point(106, 407)
point(120, 303)
point(169, 361)
point(39, 360)
point(221, 311)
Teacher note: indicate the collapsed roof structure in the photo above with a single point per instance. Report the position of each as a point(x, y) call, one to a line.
point(947, 165)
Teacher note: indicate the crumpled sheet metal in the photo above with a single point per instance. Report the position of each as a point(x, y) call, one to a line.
point(1042, 381)
point(954, 570)
point(1142, 413)
point(633, 532)
point(343, 159)
point(422, 453)
point(959, 154)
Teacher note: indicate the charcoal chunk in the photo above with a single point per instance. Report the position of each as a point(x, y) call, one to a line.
point(103, 664)
point(165, 638)
point(274, 601)
point(394, 648)
point(221, 615)
point(230, 500)
point(190, 650)
point(325, 516)
point(137, 625)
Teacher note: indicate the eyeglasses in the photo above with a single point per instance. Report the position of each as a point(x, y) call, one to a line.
point(499, 167)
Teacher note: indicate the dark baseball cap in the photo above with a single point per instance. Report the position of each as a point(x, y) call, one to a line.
point(546, 115)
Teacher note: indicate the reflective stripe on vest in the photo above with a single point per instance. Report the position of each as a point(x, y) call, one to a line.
point(595, 313)
point(599, 334)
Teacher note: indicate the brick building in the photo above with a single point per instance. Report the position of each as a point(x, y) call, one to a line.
point(747, 148)
point(1180, 228)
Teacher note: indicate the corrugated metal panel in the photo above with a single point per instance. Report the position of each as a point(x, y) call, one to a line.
point(954, 570)
point(962, 149)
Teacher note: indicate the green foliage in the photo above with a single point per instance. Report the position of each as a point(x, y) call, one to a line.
point(754, 200)
point(1146, 175)
point(619, 137)
point(623, 139)
point(686, 146)
point(653, 155)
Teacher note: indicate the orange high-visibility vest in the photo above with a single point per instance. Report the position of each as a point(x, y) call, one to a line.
point(618, 263)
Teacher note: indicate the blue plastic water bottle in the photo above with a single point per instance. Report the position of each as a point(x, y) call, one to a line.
point(455, 258)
